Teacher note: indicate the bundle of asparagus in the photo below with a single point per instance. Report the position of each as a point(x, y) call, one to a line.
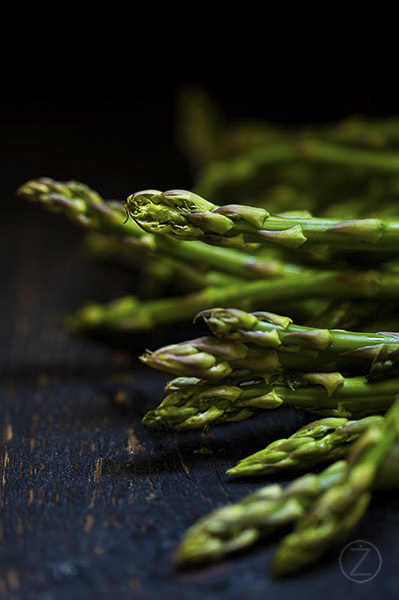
point(261, 361)
point(236, 161)
point(245, 240)
point(325, 507)
point(258, 361)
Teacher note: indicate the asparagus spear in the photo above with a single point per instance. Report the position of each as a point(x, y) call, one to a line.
point(130, 314)
point(210, 358)
point(248, 166)
point(206, 136)
point(199, 126)
point(185, 215)
point(363, 315)
point(378, 133)
point(199, 404)
point(339, 509)
point(154, 277)
point(275, 331)
point(85, 207)
point(164, 270)
point(266, 510)
point(385, 363)
point(343, 314)
point(315, 443)
point(330, 190)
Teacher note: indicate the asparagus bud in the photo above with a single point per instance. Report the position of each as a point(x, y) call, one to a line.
point(315, 443)
point(186, 215)
point(269, 330)
point(203, 404)
point(211, 358)
point(338, 510)
point(265, 511)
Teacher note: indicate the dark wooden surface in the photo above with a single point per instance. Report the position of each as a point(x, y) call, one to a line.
point(92, 506)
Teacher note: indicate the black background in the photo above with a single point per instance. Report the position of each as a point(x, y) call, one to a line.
point(129, 142)
point(77, 522)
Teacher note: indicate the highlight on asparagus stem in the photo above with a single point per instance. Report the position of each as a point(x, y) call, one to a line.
point(186, 215)
point(339, 509)
point(200, 404)
point(318, 442)
point(265, 511)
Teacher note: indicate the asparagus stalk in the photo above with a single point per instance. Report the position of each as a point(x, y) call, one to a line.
point(377, 133)
point(205, 135)
point(363, 315)
point(321, 441)
point(153, 276)
point(211, 358)
point(385, 364)
point(85, 207)
point(270, 330)
point(343, 314)
point(330, 190)
point(130, 314)
point(185, 215)
point(248, 166)
point(339, 509)
point(199, 126)
point(265, 511)
point(200, 404)
point(163, 270)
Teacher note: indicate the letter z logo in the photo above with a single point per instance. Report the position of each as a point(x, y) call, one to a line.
point(360, 561)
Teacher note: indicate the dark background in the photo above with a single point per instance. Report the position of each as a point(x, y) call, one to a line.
point(129, 143)
point(92, 506)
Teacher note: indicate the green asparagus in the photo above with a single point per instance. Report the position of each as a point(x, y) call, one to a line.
point(131, 314)
point(211, 358)
point(262, 360)
point(206, 137)
point(248, 167)
point(85, 207)
point(161, 272)
point(321, 441)
point(268, 509)
point(385, 363)
point(187, 216)
point(200, 404)
point(270, 330)
point(339, 509)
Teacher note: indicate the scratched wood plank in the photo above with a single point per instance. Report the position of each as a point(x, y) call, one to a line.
point(92, 505)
